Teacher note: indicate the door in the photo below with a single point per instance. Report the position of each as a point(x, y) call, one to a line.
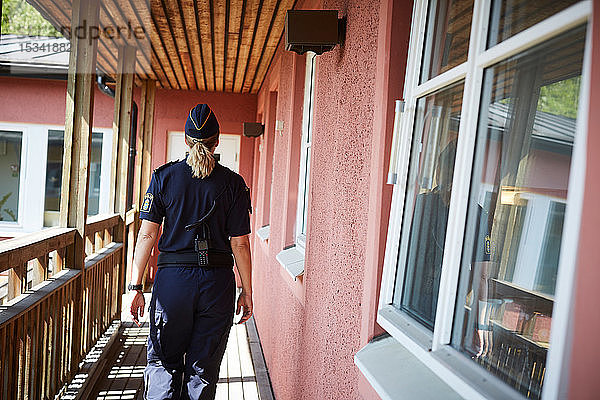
point(228, 149)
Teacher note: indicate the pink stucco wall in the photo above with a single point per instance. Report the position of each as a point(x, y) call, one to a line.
point(584, 382)
point(311, 328)
point(42, 101)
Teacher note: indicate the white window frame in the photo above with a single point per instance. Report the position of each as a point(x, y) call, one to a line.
point(307, 119)
point(24, 219)
point(34, 155)
point(433, 349)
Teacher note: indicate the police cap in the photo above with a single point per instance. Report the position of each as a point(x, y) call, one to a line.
point(201, 122)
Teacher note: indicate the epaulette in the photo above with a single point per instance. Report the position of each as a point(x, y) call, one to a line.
point(165, 166)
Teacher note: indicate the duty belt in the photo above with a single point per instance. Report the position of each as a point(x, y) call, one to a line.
point(216, 259)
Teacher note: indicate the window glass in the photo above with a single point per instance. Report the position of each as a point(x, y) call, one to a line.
point(11, 144)
point(54, 171)
point(94, 178)
point(516, 211)
point(447, 36)
point(509, 17)
point(427, 203)
point(309, 96)
point(305, 195)
point(54, 175)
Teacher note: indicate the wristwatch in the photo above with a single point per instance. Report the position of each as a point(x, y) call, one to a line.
point(139, 287)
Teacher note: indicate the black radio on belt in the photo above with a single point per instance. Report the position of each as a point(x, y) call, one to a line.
point(202, 241)
point(201, 247)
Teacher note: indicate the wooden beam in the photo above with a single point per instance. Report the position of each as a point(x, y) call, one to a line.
point(76, 162)
point(78, 126)
point(119, 170)
point(122, 128)
point(146, 130)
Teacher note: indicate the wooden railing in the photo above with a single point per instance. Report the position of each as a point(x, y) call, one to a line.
point(48, 323)
point(99, 232)
point(101, 293)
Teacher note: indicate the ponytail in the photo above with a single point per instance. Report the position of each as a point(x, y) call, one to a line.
point(200, 157)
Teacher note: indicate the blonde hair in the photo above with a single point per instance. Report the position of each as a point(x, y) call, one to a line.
point(200, 157)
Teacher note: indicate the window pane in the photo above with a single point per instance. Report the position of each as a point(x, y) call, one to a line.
point(305, 195)
point(509, 17)
point(516, 211)
point(447, 37)
point(427, 203)
point(11, 144)
point(95, 167)
point(54, 175)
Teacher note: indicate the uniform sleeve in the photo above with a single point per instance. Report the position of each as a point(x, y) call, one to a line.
point(152, 206)
point(238, 219)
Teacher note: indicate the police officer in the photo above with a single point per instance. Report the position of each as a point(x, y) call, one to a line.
point(192, 305)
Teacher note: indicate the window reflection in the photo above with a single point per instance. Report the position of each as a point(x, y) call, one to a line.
point(54, 176)
point(517, 209)
point(509, 17)
point(448, 32)
point(11, 144)
point(427, 202)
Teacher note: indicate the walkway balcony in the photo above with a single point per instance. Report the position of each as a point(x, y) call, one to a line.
point(61, 289)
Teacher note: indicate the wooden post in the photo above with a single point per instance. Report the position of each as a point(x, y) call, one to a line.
point(122, 131)
point(77, 145)
point(144, 141)
point(144, 152)
point(16, 278)
point(146, 128)
point(40, 269)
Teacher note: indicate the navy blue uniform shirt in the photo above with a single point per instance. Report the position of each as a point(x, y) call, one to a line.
point(178, 199)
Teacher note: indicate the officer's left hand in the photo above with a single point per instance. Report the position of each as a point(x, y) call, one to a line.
point(245, 302)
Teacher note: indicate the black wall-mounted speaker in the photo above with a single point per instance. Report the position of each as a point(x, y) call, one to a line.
point(253, 129)
point(311, 30)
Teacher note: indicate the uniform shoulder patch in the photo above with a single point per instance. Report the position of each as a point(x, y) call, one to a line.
point(165, 166)
point(147, 203)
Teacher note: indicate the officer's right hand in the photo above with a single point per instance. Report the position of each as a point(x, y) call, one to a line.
point(137, 307)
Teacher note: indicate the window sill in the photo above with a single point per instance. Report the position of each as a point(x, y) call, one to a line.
point(391, 369)
point(457, 373)
point(292, 260)
point(263, 233)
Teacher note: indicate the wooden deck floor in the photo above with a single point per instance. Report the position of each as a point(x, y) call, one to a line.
point(123, 374)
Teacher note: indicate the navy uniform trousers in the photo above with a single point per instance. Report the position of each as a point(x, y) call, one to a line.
point(191, 313)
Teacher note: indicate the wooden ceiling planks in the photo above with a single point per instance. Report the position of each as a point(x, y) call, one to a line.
point(219, 37)
point(213, 45)
point(268, 52)
point(187, 9)
point(252, 11)
point(164, 29)
point(128, 14)
point(177, 28)
point(262, 27)
point(205, 35)
point(236, 13)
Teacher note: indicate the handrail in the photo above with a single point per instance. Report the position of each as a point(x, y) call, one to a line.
point(45, 331)
point(17, 251)
point(18, 306)
point(99, 232)
point(130, 216)
point(99, 223)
